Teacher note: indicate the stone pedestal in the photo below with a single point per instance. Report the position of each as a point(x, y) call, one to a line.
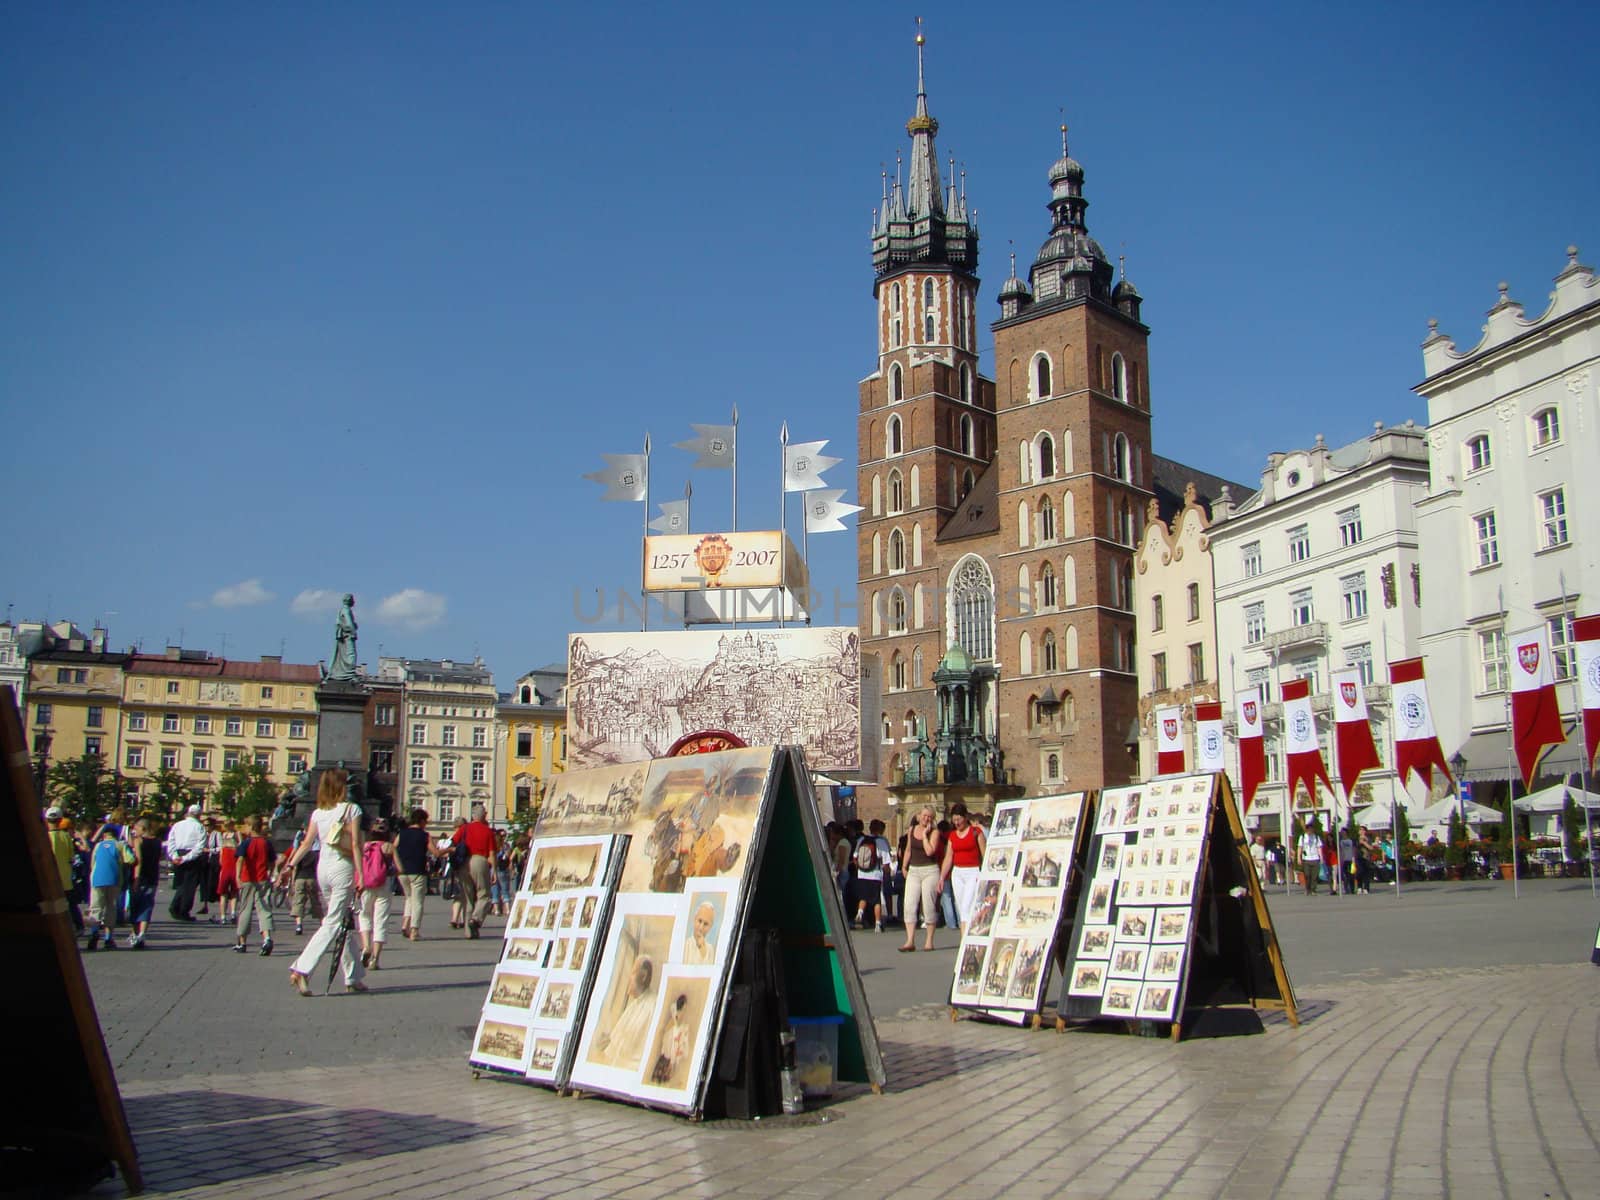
point(341, 709)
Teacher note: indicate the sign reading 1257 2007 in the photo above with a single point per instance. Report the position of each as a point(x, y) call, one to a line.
point(689, 562)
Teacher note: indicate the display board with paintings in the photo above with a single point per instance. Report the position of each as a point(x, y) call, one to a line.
point(627, 953)
point(1169, 897)
point(1010, 945)
point(547, 963)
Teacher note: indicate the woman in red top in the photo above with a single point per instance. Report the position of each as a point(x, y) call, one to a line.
point(227, 872)
point(963, 860)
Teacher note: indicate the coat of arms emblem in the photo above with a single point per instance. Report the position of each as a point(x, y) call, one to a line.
point(1528, 656)
point(713, 554)
point(1347, 693)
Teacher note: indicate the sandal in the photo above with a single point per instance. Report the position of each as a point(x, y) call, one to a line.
point(298, 982)
point(905, 949)
point(356, 986)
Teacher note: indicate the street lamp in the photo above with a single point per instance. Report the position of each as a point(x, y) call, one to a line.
point(1458, 764)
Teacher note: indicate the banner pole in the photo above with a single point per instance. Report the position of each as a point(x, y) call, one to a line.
point(1583, 742)
point(644, 595)
point(1396, 784)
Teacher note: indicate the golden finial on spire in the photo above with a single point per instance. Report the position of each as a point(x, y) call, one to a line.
point(920, 38)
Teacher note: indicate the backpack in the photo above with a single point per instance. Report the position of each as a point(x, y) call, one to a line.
point(867, 854)
point(374, 866)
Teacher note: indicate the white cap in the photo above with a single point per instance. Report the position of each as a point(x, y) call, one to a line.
point(53, 813)
point(194, 810)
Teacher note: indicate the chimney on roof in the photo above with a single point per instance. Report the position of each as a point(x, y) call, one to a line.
point(447, 664)
point(174, 653)
point(98, 640)
point(272, 658)
point(76, 643)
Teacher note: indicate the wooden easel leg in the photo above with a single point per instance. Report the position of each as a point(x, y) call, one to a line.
point(1061, 1023)
point(1038, 1020)
point(955, 1014)
point(1177, 1030)
point(877, 1088)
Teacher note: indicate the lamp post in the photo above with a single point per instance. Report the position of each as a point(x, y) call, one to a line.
point(1458, 764)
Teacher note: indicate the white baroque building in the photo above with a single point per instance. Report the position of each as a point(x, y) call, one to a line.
point(1316, 572)
point(1512, 421)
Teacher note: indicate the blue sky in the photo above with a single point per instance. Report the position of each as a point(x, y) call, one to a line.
point(299, 302)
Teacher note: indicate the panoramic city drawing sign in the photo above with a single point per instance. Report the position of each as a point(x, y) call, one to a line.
point(632, 696)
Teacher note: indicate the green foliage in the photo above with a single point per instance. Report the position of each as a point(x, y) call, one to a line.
point(1503, 843)
point(1455, 853)
point(244, 790)
point(1573, 829)
point(84, 788)
point(1402, 825)
point(166, 794)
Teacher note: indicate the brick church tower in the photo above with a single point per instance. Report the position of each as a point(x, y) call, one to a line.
point(999, 519)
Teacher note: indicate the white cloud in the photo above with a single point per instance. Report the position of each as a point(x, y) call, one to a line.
point(412, 608)
point(316, 602)
point(241, 595)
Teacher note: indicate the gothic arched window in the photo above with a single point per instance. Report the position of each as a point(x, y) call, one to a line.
point(1047, 456)
point(966, 434)
point(892, 438)
point(897, 495)
point(897, 612)
point(897, 386)
point(966, 384)
point(1119, 377)
point(897, 551)
point(1047, 586)
point(1047, 520)
point(1047, 651)
point(971, 608)
point(1119, 456)
point(1041, 377)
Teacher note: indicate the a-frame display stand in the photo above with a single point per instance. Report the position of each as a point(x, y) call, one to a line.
point(723, 936)
point(67, 1125)
point(1173, 924)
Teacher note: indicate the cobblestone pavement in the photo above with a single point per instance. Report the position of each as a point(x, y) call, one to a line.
point(1408, 1077)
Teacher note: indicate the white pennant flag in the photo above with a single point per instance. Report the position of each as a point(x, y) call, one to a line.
point(713, 443)
point(803, 465)
point(624, 477)
point(674, 517)
point(823, 511)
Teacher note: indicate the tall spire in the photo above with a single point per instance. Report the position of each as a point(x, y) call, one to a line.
point(924, 196)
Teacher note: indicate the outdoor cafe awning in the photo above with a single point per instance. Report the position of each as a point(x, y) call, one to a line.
point(1488, 755)
point(1554, 799)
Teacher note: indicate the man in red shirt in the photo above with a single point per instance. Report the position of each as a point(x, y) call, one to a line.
point(254, 859)
point(480, 842)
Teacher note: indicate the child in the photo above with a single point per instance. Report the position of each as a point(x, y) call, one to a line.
point(253, 866)
point(105, 884)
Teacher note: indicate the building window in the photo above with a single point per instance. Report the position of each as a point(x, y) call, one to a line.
point(916, 667)
point(1353, 596)
point(897, 492)
point(297, 764)
point(1260, 677)
point(524, 743)
point(169, 723)
point(1052, 766)
point(230, 759)
point(893, 444)
point(1194, 602)
point(1299, 543)
point(447, 735)
point(383, 714)
point(1047, 520)
point(1047, 586)
point(1479, 457)
point(447, 809)
point(480, 737)
point(1047, 456)
point(1301, 611)
point(480, 772)
point(1349, 525)
point(263, 727)
point(95, 718)
point(172, 687)
point(897, 388)
point(966, 384)
point(972, 608)
point(1546, 428)
point(524, 798)
point(1255, 623)
point(447, 771)
point(1360, 657)
point(897, 612)
point(202, 724)
point(1563, 651)
point(1047, 651)
point(91, 746)
point(169, 758)
point(1483, 533)
point(1492, 660)
point(1158, 617)
point(235, 726)
point(1553, 519)
point(382, 761)
point(897, 551)
point(135, 758)
point(1119, 457)
point(1119, 377)
point(266, 691)
point(966, 434)
point(42, 714)
point(897, 672)
point(1251, 554)
point(297, 729)
point(1158, 672)
point(136, 722)
point(419, 734)
point(264, 760)
point(69, 675)
point(1041, 377)
point(419, 771)
point(1197, 663)
point(200, 760)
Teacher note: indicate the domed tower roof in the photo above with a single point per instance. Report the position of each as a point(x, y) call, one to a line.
point(1070, 264)
point(956, 663)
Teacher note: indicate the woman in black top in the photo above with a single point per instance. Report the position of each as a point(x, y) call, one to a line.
point(146, 877)
point(411, 849)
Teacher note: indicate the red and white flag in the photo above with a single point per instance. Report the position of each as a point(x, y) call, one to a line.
point(1302, 753)
point(1587, 630)
point(1208, 737)
point(1252, 743)
point(1352, 732)
point(1416, 743)
point(1169, 740)
point(1535, 711)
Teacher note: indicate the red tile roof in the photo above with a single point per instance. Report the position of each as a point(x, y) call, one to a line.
point(224, 668)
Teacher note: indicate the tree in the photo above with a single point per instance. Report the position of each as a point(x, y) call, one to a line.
point(1402, 824)
point(167, 794)
point(1455, 851)
point(84, 788)
point(245, 790)
point(1506, 842)
point(1573, 829)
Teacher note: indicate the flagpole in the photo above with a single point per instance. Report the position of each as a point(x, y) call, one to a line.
point(1511, 747)
point(783, 518)
point(688, 527)
point(644, 596)
point(1583, 742)
point(1396, 783)
point(735, 515)
point(1288, 792)
point(1333, 789)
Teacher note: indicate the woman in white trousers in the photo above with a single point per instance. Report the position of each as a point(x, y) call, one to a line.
point(335, 826)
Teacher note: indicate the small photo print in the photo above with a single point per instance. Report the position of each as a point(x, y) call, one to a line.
point(1200, 785)
point(557, 1002)
point(1120, 999)
point(1030, 966)
point(1194, 830)
point(1130, 858)
point(1110, 855)
point(984, 911)
point(580, 951)
point(671, 1055)
point(545, 1052)
point(1041, 868)
point(1088, 979)
point(1095, 942)
point(1172, 925)
point(558, 956)
point(1053, 817)
point(1164, 963)
point(998, 861)
point(1127, 960)
point(586, 917)
point(1152, 808)
point(518, 911)
point(1099, 901)
point(1007, 821)
point(1130, 809)
point(1002, 957)
point(706, 911)
point(525, 950)
point(969, 975)
point(1134, 924)
point(1036, 913)
point(512, 990)
point(1156, 1001)
point(532, 916)
point(569, 912)
point(552, 916)
point(497, 1039)
point(1194, 806)
point(1125, 889)
point(556, 867)
point(1110, 811)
